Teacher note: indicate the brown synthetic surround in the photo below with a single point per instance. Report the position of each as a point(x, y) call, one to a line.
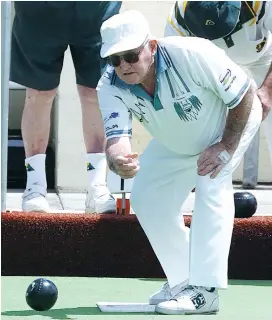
point(113, 246)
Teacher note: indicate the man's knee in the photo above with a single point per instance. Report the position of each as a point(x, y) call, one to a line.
point(40, 98)
point(213, 188)
point(87, 94)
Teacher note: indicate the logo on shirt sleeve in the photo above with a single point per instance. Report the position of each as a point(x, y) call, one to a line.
point(114, 126)
point(226, 79)
point(113, 115)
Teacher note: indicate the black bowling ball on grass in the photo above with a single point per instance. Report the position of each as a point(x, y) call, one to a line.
point(245, 204)
point(41, 295)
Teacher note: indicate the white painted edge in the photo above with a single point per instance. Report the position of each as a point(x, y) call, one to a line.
point(125, 307)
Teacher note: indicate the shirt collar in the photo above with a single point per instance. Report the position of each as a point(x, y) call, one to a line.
point(162, 63)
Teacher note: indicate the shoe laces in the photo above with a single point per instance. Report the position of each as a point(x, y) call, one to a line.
point(98, 191)
point(188, 291)
point(106, 196)
point(34, 191)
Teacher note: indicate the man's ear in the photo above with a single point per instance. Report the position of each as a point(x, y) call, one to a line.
point(153, 44)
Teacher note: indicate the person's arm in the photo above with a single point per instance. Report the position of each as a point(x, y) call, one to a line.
point(265, 93)
point(236, 122)
point(120, 158)
point(117, 147)
point(214, 158)
point(218, 73)
point(118, 129)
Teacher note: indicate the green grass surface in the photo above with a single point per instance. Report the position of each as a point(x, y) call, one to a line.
point(244, 300)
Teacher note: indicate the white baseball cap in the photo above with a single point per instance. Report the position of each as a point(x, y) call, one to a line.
point(122, 32)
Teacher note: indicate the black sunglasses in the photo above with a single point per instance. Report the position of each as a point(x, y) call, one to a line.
point(129, 57)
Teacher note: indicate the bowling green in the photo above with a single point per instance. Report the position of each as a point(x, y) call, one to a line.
point(244, 300)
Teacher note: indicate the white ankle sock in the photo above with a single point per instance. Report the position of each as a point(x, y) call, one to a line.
point(35, 168)
point(96, 168)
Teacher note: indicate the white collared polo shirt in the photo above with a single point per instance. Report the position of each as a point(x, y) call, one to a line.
point(196, 85)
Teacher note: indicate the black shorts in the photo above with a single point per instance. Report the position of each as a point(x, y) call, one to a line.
point(43, 30)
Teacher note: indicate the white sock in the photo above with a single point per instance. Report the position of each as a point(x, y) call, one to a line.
point(96, 168)
point(35, 168)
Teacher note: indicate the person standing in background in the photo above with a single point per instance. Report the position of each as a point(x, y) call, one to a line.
point(41, 33)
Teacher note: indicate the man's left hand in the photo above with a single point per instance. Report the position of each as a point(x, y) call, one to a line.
point(266, 99)
point(213, 160)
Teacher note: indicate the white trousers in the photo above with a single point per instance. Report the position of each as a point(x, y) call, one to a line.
point(165, 179)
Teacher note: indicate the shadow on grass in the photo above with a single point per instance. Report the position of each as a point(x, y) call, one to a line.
point(66, 313)
point(153, 279)
point(254, 283)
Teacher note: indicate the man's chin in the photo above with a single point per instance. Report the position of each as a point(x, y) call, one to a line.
point(131, 79)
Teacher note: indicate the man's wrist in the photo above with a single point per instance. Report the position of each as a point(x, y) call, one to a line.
point(229, 145)
point(224, 156)
point(111, 164)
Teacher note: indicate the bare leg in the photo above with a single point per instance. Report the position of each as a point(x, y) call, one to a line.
point(93, 126)
point(35, 127)
point(36, 120)
point(98, 199)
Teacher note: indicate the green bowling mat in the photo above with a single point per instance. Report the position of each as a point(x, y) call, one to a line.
point(244, 300)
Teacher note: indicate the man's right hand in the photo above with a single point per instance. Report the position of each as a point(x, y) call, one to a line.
point(127, 166)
